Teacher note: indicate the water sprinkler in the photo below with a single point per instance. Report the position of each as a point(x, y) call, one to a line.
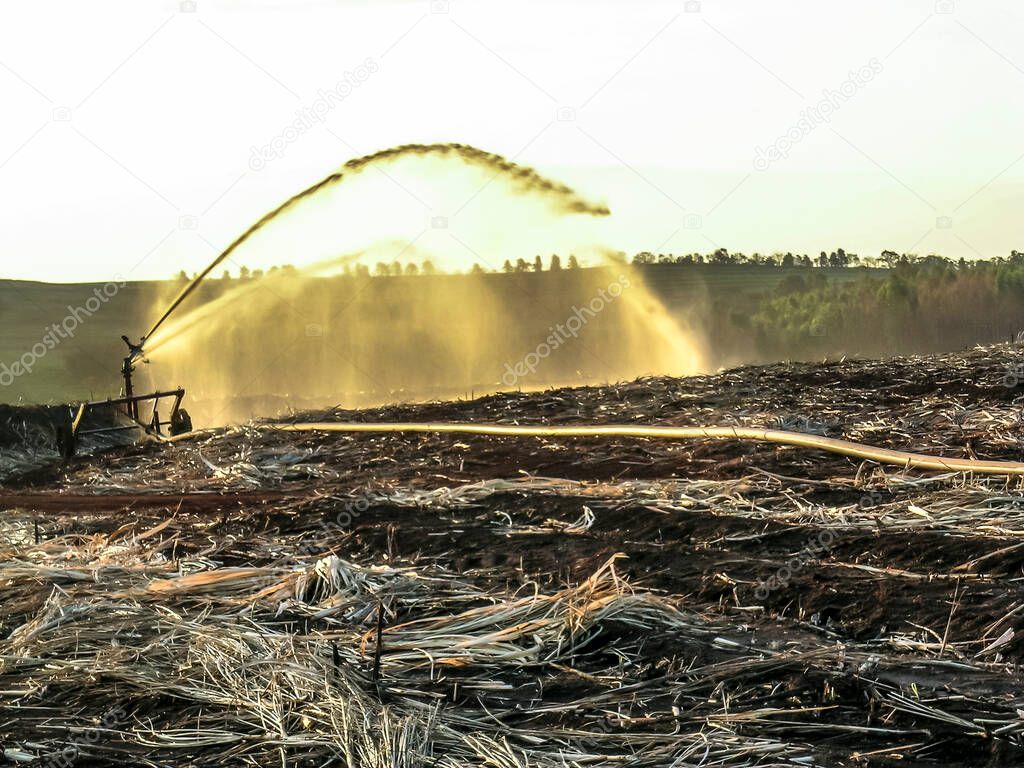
point(178, 423)
point(134, 350)
point(127, 367)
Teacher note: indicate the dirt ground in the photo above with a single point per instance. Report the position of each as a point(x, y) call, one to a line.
point(798, 608)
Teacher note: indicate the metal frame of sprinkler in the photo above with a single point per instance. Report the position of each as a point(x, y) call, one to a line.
point(177, 423)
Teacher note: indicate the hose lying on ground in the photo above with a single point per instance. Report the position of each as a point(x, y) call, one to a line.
point(780, 436)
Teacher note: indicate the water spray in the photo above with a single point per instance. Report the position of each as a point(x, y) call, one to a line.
point(523, 178)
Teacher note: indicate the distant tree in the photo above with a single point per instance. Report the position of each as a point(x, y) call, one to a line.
point(477, 269)
point(522, 265)
point(556, 263)
point(382, 269)
point(538, 265)
point(644, 257)
point(362, 270)
point(412, 269)
point(428, 268)
point(243, 273)
point(573, 262)
point(838, 258)
point(182, 277)
point(787, 260)
point(506, 267)
point(225, 275)
point(396, 267)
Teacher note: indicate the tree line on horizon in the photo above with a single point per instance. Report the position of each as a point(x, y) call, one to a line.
point(838, 258)
point(918, 306)
point(895, 304)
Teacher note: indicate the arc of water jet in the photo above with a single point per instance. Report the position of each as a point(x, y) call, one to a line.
point(524, 175)
point(188, 289)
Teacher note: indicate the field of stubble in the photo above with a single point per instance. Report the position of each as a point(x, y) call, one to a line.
point(252, 597)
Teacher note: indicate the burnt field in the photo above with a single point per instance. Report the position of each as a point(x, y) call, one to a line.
point(246, 596)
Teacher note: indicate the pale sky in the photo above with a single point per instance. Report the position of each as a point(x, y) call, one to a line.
point(128, 128)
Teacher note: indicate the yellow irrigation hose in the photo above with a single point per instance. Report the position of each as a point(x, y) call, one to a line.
point(780, 436)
